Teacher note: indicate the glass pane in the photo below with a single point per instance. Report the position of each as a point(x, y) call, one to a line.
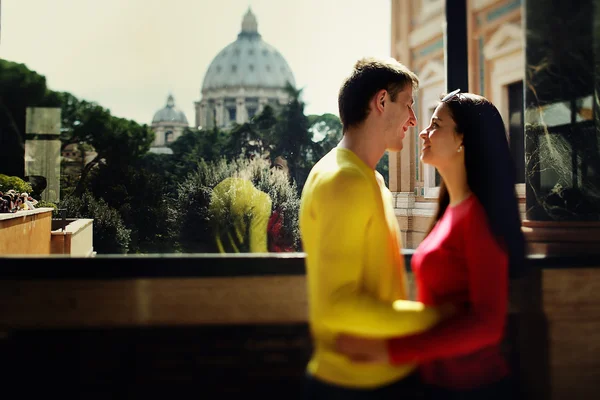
point(562, 139)
point(179, 127)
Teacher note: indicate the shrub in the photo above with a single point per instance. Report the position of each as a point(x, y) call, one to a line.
point(14, 182)
point(110, 234)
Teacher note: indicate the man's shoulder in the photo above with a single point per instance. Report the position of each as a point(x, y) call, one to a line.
point(232, 182)
point(333, 171)
point(343, 178)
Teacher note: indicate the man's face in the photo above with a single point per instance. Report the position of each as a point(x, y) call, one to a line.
point(281, 165)
point(399, 116)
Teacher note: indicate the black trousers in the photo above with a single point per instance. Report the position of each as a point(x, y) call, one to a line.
point(404, 389)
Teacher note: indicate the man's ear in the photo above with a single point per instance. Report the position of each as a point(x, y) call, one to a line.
point(379, 100)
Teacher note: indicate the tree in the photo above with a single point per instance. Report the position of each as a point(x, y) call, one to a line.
point(195, 145)
point(143, 201)
point(116, 140)
point(15, 183)
point(292, 139)
point(12, 146)
point(247, 139)
point(121, 177)
point(110, 234)
point(326, 130)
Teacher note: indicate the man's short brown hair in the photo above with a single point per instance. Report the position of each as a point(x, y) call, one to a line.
point(369, 76)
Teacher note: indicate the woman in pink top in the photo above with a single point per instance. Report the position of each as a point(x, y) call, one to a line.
point(474, 244)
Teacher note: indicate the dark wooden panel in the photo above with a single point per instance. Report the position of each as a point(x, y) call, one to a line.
point(158, 362)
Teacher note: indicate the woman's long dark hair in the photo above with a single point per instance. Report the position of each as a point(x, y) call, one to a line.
point(491, 172)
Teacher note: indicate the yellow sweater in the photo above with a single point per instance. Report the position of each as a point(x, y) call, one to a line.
point(240, 214)
point(355, 269)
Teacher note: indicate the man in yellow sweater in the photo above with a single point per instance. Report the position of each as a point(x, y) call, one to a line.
point(240, 214)
point(355, 269)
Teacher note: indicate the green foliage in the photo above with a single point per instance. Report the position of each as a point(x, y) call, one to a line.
point(12, 145)
point(44, 203)
point(246, 139)
point(286, 200)
point(110, 234)
point(192, 202)
point(325, 128)
point(14, 182)
point(285, 132)
point(195, 145)
point(117, 141)
point(163, 166)
point(326, 131)
point(383, 167)
point(143, 204)
point(293, 139)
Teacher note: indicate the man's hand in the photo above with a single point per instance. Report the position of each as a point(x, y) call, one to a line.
point(361, 349)
point(369, 350)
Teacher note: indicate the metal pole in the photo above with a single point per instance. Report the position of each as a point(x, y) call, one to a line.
point(456, 57)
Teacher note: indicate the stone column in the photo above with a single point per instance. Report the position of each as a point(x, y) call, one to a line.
point(42, 148)
point(240, 110)
point(159, 140)
point(200, 114)
point(399, 162)
point(220, 113)
point(262, 102)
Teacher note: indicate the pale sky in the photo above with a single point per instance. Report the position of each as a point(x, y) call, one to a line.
point(128, 55)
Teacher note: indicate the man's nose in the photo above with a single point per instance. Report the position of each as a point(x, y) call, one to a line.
point(412, 121)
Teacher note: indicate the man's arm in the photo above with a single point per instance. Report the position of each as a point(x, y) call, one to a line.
point(261, 211)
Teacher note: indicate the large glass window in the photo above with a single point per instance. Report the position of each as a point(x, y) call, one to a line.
point(254, 113)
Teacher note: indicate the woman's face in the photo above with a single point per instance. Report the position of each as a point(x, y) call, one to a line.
point(441, 142)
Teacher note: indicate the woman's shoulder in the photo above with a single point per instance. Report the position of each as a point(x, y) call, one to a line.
point(473, 218)
point(475, 207)
point(470, 205)
point(467, 212)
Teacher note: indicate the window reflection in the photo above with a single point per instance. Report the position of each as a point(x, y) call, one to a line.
point(565, 112)
point(178, 181)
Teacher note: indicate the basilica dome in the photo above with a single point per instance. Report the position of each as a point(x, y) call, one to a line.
point(244, 77)
point(248, 62)
point(168, 125)
point(170, 113)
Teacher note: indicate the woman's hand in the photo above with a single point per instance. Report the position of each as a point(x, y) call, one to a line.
point(361, 349)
